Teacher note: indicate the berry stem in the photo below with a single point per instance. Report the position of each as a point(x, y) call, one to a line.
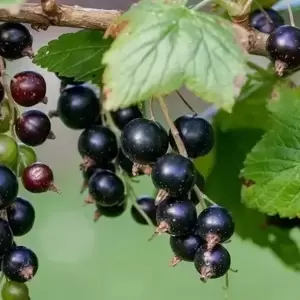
point(151, 114)
point(185, 102)
point(291, 16)
point(226, 287)
point(202, 203)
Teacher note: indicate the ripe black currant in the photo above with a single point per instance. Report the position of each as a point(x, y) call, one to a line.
point(283, 45)
point(216, 225)
point(33, 128)
point(97, 144)
point(38, 178)
point(68, 80)
point(196, 133)
point(20, 264)
point(212, 263)
point(78, 107)
point(15, 41)
point(9, 187)
point(110, 211)
point(20, 216)
point(106, 188)
point(123, 116)
point(28, 88)
point(174, 173)
point(185, 247)
point(12, 290)
point(144, 141)
point(147, 205)
point(265, 20)
point(176, 216)
point(6, 237)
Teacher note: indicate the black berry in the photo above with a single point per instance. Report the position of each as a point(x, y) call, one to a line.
point(265, 20)
point(78, 107)
point(147, 205)
point(125, 163)
point(216, 225)
point(28, 88)
point(91, 170)
point(123, 116)
point(20, 265)
point(20, 216)
point(174, 173)
point(33, 128)
point(144, 141)
point(106, 188)
point(176, 216)
point(12, 290)
point(9, 187)
point(111, 211)
point(15, 41)
point(6, 237)
point(196, 133)
point(212, 264)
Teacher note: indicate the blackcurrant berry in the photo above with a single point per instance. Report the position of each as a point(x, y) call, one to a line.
point(147, 205)
point(28, 88)
point(38, 178)
point(33, 128)
point(123, 116)
point(20, 265)
point(196, 133)
point(78, 107)
point(15, 41)
point(68, 80)
point(213, 263)
point(20, 216)
point(174, 173)
point(9, 152)
point(185, 247)
point(216, 225)
point(98, 144)
point(283, 45)
point(9, 187)
point(27, 157)
point(106, 188)
point(110, 211)
point(12, 290)
point(6, 237)
point(91, 170)
point(144, 141)
point(265, 20)
point(200, 181)
point(176, 216)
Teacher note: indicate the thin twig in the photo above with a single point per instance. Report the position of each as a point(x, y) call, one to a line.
point(291, 16)
point(151, 113)
point(185, 102)
point(199, 196)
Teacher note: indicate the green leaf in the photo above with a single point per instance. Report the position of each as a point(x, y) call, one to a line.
point(223, 186)
point(164, 46)
point(77, 55)
point(274, 163)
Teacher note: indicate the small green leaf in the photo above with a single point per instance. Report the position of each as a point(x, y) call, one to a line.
point(77, 55)
point(165, 46)
point(274, 163)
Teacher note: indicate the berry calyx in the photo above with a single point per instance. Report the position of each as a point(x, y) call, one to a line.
point(12, 290)
point(9, 187)
point(123, 116)
point(20, 216)
point(216, 225)
point(38, 178)
point(28, 88)
point(78, 107)
point(20, 264)
point(97, 144)
point(33, 128)
point(174, 174)
point(265, 20)
point(212, 263)
point(106, 188)
point(176, 216)
point(109, 211)
point(147, 205)
point(144, 141)
point(185, 247)
point(6, 237)
point(196, 134)
point(15, 41)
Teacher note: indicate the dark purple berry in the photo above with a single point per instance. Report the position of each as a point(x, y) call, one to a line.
point(147, 205)
point(9, 187)
point(123, 116)
point(213, 263)
point(125, 163)
point(78, 107)
point(28, 88)
point(20, 265)
point(6, 237)
point(91, 170)
point(111, 211)
point(33, 128)
point(265, 20)
point(20, 216)
point(196, 133)
point(15, 41)
point(144, 141)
